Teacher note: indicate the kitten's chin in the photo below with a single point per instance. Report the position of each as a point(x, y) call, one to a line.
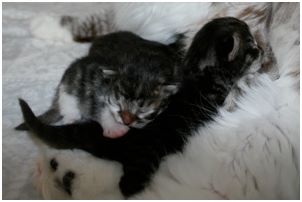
point(116, 132)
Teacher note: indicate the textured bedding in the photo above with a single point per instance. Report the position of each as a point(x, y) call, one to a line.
point(31, 69)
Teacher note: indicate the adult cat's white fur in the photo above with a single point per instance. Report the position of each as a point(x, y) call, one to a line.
point(153, 21)
point(250, 153)
point(101, 171)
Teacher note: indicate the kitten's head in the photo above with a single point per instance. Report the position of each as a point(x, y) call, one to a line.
point(141, 81)
point(137, 103)
point(224, 42)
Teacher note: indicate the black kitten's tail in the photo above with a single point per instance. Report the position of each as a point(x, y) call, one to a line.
point(71, 136)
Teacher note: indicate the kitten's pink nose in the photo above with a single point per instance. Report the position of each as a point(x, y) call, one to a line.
point(127, 117)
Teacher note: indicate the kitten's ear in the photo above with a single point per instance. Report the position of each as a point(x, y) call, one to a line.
point(236, 46)
point(108, 72)
point(170, 89)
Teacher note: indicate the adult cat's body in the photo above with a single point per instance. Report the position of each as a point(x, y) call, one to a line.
point(226, 50)
point(125, 81)
point(235, 157)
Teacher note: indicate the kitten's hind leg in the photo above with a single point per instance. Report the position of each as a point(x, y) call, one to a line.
point(137, 175)
point(50, 116)
point(72, 136)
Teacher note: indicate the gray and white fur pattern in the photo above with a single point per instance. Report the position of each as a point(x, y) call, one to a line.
point(160, 22)
point(125, 81)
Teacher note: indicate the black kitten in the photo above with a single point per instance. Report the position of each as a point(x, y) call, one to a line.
point(219, 55)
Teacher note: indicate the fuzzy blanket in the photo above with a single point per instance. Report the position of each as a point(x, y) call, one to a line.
point(31, 70)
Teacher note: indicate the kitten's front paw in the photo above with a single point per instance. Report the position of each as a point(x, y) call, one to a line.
point(50, 28)
point(115, 131)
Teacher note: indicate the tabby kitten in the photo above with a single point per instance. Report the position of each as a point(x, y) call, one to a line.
point(125, 81)
point(158, 23)
point(221, 52)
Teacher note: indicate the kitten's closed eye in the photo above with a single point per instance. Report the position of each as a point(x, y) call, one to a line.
point(156, 92)
point(151, 116)
point(108, 72)
point(170, 89)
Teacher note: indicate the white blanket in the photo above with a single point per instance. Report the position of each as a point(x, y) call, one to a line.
point(31, 70)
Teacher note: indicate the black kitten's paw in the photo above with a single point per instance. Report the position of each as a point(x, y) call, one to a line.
point(130, 185)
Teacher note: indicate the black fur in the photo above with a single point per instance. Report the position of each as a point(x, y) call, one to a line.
point(203, 91)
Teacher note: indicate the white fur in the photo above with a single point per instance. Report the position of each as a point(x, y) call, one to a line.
point(250, 153)
point(256, 144)
point(154, 23)
point(160, 21)
point(68, 106)
point(69, 109)
point(107, 171)
point(48, 28)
